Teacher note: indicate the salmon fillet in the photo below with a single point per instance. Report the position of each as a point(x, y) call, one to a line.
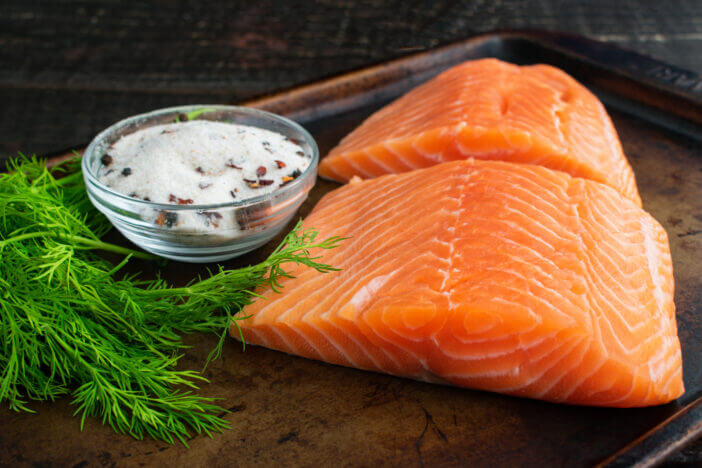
point(505, 277)
point(488, 109)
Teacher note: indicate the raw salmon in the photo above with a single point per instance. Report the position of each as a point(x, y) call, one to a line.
point(505, 277)
point(488, 109)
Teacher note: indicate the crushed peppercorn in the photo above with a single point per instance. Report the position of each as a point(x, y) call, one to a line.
point(167, 218)
point(212, 217)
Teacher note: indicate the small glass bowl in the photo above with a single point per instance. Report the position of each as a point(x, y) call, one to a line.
point(254, 221)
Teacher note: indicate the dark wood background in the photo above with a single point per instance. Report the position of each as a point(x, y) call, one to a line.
point(70, 68)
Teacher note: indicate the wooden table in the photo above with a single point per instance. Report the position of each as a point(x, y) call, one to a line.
point(71, 68)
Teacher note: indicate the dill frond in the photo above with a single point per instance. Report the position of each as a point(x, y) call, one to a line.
point(70, 324)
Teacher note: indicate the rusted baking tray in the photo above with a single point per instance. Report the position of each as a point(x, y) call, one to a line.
point(287, 410)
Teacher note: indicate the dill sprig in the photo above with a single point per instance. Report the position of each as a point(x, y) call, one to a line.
point(72, 324)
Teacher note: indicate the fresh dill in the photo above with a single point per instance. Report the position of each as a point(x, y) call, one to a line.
point(71, 323)
point(192, 115)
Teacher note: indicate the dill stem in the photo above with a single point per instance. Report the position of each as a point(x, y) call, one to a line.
point(99, 245)
point(96, 244)
point(29, 235)
point(171, 291)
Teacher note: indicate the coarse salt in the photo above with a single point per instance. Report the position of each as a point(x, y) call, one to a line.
point(199, 163)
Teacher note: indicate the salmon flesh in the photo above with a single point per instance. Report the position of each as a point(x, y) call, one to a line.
point(512, 278)
point(489, 109)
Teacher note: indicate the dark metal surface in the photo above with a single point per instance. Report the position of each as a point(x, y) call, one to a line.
point(288, 410)
point(662, 441)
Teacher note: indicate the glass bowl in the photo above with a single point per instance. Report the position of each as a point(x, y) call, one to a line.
point(251, 222)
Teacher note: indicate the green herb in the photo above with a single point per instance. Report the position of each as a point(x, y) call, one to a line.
point(192, 115)
point(72, 323)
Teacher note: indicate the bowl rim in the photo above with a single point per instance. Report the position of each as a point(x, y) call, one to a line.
point(288, 189)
